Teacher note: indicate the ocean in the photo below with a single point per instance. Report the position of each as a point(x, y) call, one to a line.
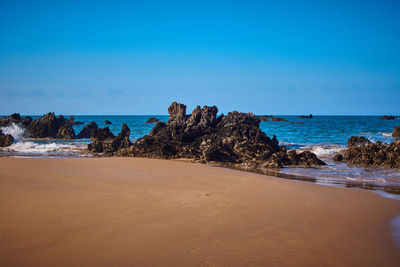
point(323, 135)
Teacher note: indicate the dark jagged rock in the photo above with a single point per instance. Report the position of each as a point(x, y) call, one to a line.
point(387, 117)
point(101, 134)
point(103, 141)
point(152, 120)
point(362, 152)
point(356, 141)
point(66, 132)
point(26, 121)
point(107, 122)
point(73, 122)
point(338, 157)
point(48, 126)
point(278, 119)
point(396, 131)
point(15, 118)
point(232, 139)
point(85, 133)
point(306, 117)
point(6, 139)
point(263, 118)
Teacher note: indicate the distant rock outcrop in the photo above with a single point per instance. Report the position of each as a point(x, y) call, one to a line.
point(396, 131)
point(361, 151)
point(107, 122)
point(386, 117)
point(50, 126)
point(234, 139)
point(263, 118)
point(306, 117)
point(278, 119)
point(85, 133)
point(152, 120)
point(6, 139)
point(73, 122)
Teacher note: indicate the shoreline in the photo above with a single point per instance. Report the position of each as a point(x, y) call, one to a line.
point(136, 211)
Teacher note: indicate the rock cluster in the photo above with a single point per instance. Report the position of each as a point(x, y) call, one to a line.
point(6, 139)
point(338, 157)
point(361, 151)
point(386, 117)
point(306, 117)
point(86, 131)
point(152, 120)
point(15, 118)
point(73, 122)
point(107, 122)
point(104, 141)
point(232, 139)
point(263, 118)
point(396, 131)
point(50, 126)
point(278, 119)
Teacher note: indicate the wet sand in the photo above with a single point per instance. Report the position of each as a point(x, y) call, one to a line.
point(145, 212)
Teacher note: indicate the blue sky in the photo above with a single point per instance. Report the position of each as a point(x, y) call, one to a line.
point(265, 57)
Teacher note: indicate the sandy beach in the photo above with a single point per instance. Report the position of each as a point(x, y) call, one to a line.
point(146, 212)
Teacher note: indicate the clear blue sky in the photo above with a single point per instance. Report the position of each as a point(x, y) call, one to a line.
point(136, 57)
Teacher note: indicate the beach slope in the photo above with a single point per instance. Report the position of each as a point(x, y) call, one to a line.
point(147, 212)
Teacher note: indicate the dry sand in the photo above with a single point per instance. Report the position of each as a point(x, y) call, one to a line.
point(144, 212)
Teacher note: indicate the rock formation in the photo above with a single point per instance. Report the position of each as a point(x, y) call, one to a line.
point(360, 151)
point(66, 132)
point(356, 141)
point(50, 126)
point(277, 119)
point(107, 122)
point(85, 133)
point(338, 157)
point(103, 140)
point(386, 117)
point(306, 117)
point(15, 118)
point(6, 139)
point(73, 122)
point(263, 118)
point(234, 139)
point(396, 131)
point(152, 120)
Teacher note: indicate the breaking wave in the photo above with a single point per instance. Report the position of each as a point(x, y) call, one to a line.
point(27, 147)
point(33, 147)
point(15, 130)
point(326, 150)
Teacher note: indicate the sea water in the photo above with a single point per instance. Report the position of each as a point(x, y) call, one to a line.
point(323, 135)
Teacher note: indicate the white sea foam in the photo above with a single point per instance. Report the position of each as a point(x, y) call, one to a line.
point(287, 144)
point(387, 134)
point(15, 130)
point(32, 147)
point(325, 150)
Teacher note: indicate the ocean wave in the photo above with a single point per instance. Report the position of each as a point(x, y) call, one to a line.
point(325, 150)
point(38, 148)
point(15, 130)
point(387, 134)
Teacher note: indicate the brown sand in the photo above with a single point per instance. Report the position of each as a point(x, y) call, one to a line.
point(144, 212)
